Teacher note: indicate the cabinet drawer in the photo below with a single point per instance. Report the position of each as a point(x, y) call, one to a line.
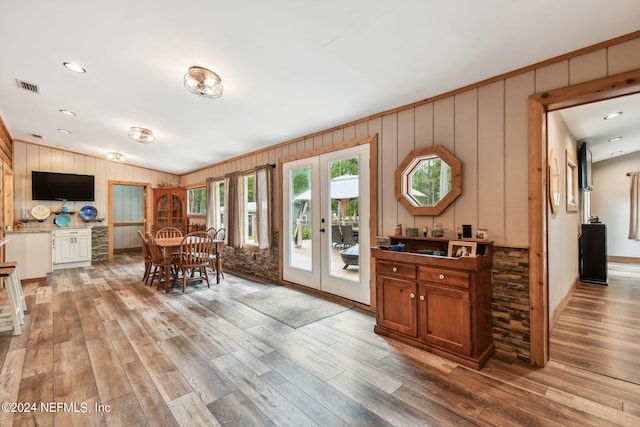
point(396, 269)
point(459, 279)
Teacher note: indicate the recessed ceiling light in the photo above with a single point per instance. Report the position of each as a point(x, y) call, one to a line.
point(68, 113)
point(612, 115)
point(35, 135)
point(74, 67)
point(617, 138)
point(616, 152)
point(62, 147)
point(64, 131)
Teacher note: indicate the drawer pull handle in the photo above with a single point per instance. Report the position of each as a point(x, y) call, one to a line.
point(421, 297)
point(412, 296)
point(441, 276)
point(395, 269)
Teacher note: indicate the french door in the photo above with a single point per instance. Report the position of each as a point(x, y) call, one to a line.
point(326, 222)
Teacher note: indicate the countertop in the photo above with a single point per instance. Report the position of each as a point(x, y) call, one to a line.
point(46, 229)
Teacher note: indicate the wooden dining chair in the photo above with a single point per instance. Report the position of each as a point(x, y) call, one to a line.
point(157, 261)
point(168, 232)
point(220, 234)
point(146, 252)
point(195, 252)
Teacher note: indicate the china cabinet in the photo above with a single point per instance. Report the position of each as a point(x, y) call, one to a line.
point(170, 208)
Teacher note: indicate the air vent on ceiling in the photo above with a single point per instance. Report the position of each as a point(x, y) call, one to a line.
point(28, 86)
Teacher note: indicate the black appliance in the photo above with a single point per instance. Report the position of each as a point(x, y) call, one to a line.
point(593, 254)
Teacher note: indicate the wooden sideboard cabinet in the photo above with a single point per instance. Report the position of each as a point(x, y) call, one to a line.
point(170, 208)
point(436, 303)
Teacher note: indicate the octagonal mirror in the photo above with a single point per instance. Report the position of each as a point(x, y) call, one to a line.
point(428, 180)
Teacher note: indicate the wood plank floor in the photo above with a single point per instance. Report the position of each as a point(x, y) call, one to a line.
point(103, 349)
point(599, 329)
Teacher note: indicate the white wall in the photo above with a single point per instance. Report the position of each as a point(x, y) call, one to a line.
point(610, 201)
point(563, 226)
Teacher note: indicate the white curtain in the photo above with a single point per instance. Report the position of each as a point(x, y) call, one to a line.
point(263, 206)
point(634, 223)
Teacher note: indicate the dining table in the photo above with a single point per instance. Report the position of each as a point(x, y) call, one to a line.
point(170, 245)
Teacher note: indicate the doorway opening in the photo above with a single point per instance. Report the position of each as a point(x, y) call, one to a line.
point(539, 105)
point(128, 214)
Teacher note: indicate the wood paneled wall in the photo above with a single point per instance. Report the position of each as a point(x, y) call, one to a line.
point(485, 126)
point(29, 157)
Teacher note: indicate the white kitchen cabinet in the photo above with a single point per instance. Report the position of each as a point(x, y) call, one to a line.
point(71, 248)
point(32, 251)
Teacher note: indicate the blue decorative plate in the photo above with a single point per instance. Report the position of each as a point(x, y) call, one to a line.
point(88, 213)
point(62, 221)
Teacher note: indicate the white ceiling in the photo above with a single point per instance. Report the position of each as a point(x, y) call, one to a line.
point(289, 68)
point(587, 124)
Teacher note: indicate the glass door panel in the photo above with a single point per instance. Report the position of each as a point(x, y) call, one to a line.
point(325, 204)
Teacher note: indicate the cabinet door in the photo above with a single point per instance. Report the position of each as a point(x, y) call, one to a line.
point(445, 318)
point(63, 249)
point(397, 305)
point(82, 247)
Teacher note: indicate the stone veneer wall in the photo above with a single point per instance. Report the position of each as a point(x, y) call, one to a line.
point(510, 301)
point(99, 243)
point(260, 263)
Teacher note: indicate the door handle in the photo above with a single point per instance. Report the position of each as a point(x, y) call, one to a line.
point(322, 230)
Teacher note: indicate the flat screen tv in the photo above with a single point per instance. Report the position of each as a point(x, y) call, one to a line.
point(62, 186)
point(585, 178)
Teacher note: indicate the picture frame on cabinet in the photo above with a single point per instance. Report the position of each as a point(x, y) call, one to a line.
point(460, 248)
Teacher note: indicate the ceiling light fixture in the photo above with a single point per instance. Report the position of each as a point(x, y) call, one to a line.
point(612, 115)
point(617, 138)
point(64, 130)
point(74, 67)
point(116, 157)
point(203, 82)
point(62, 147)
point(142, 135)
point(68, 113)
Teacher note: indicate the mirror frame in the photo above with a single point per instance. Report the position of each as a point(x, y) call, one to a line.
point(456, 180)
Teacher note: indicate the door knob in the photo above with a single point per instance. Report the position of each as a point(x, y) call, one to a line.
point(322, 230)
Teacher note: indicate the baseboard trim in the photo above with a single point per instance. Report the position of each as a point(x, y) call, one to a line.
point(624, 259)
point(563, 303)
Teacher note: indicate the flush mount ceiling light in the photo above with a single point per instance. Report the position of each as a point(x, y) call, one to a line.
point(612, 115)
point(142, 135)
point(64, 130)
point(115, 157)
point(74, 67)
point(203, 82)
point(617, 138)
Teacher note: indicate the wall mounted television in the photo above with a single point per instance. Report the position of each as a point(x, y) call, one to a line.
point(62, 186)
point(585, 178)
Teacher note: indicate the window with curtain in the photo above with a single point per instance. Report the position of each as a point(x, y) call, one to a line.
point(242, 204)
point(196, 201)
point(215, 203)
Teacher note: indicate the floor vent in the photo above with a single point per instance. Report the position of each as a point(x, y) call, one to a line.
point(28, 86)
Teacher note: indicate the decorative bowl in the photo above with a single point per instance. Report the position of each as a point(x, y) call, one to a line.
point(88, 213)
point(62, 220)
